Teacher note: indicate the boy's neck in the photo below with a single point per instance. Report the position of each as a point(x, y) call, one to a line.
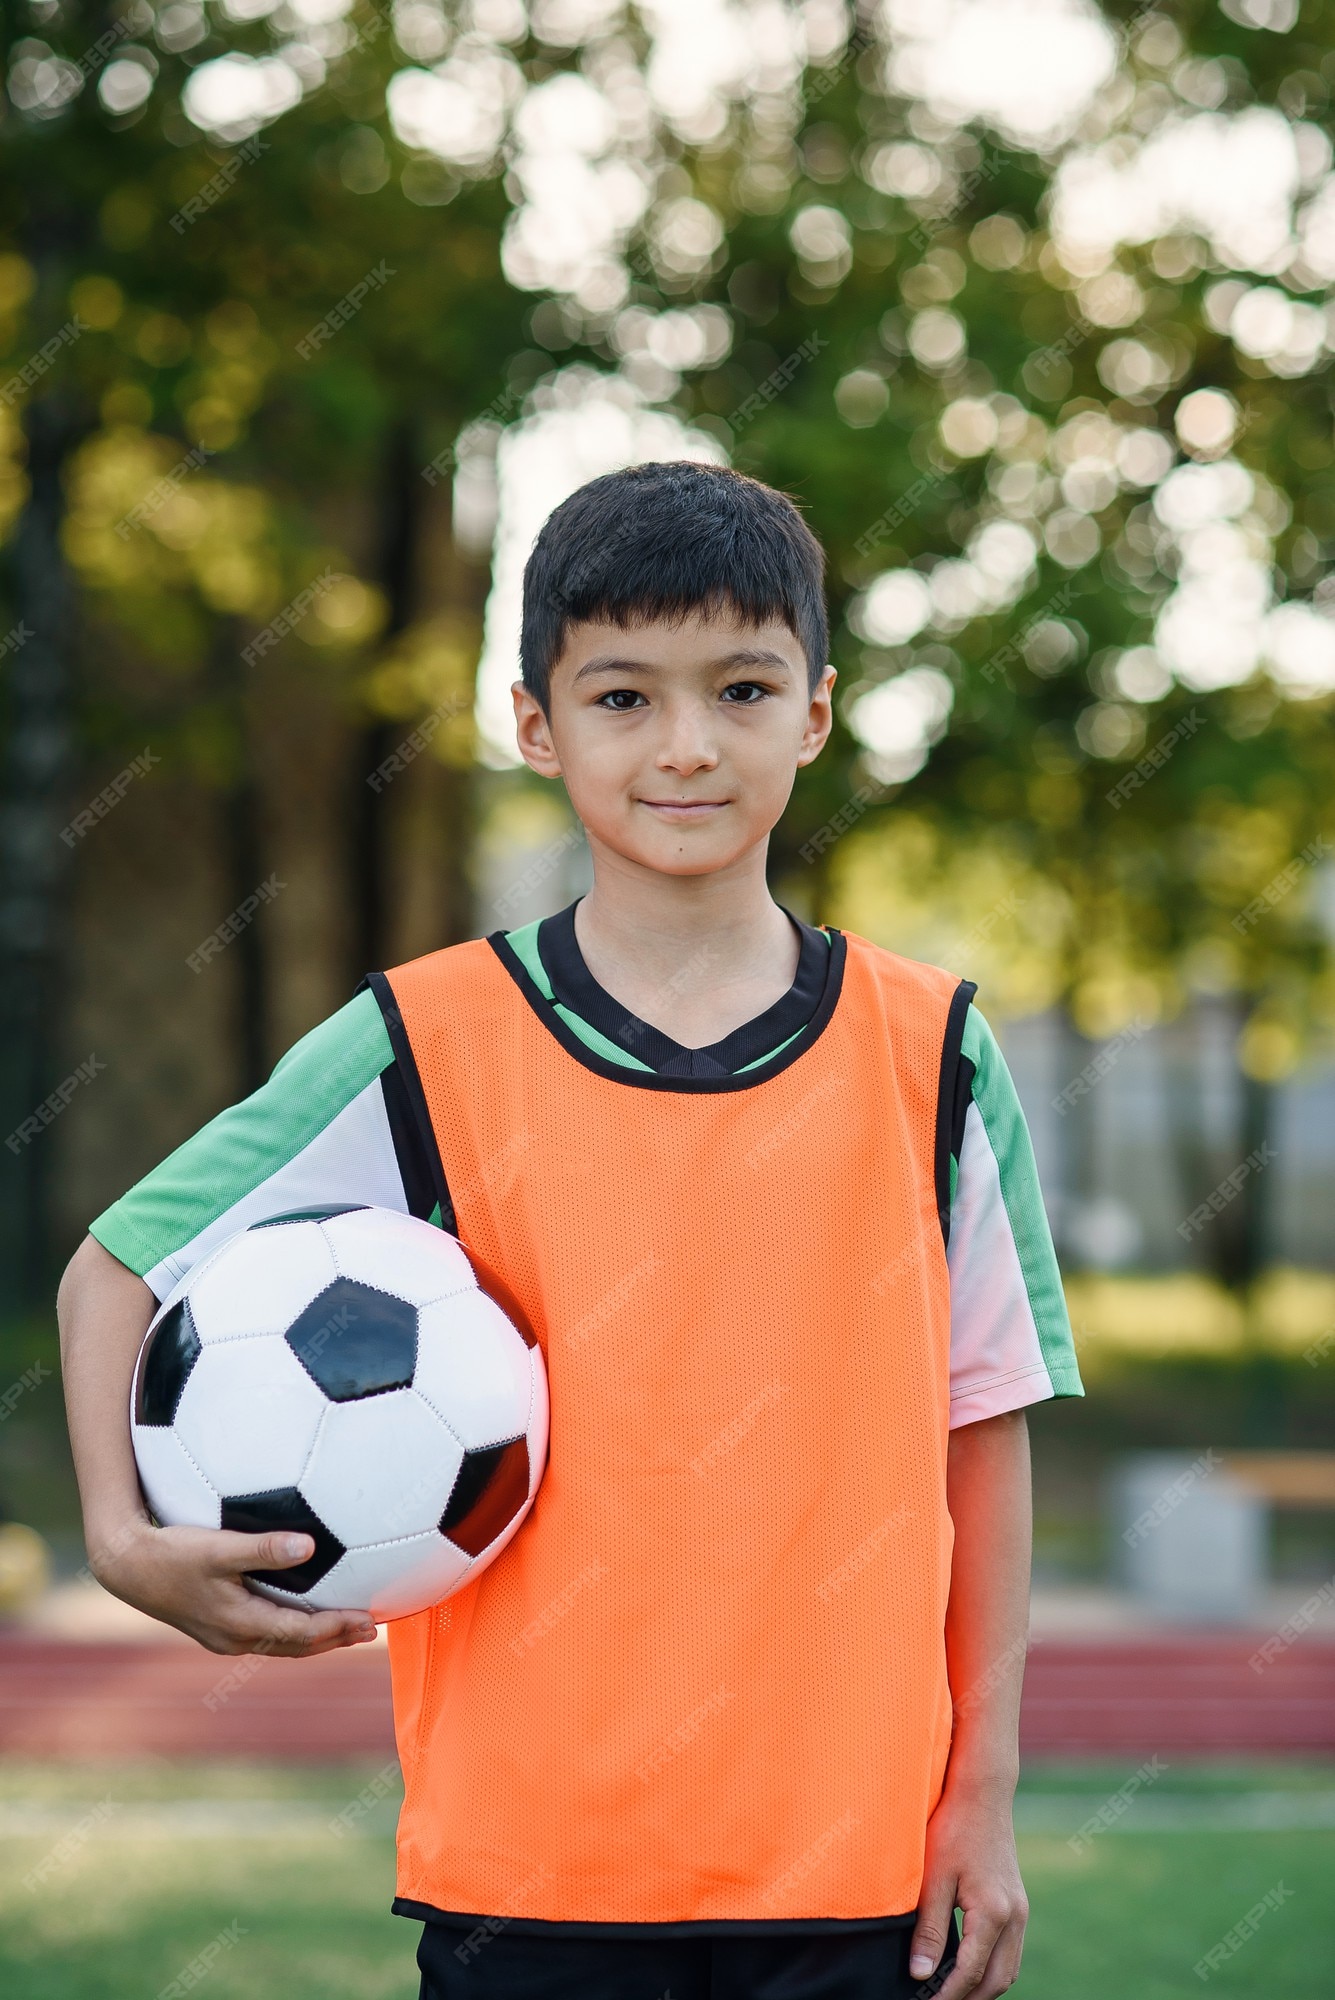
point(694, 955)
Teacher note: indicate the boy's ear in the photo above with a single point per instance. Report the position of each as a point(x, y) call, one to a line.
point(533, 733)
point(820, 718)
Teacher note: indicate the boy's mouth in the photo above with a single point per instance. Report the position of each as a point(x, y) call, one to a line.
point(684, 808)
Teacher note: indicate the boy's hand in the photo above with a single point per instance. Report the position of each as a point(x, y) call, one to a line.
point(192, 1578)
point(972, 1863)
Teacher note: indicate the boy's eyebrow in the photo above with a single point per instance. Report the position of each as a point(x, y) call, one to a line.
point(747, 656)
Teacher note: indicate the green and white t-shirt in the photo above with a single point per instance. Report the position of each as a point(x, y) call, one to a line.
point(334, 1123)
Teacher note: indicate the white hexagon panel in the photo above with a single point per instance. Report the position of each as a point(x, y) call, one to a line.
point(414, 1260)
point(383, 1467)
point(473, 1367)
point(175, 1489)
point(249, 1288)
point(390, 1581)
point(248, 1414)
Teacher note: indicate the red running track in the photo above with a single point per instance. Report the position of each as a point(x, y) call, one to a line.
point(1135, 1697)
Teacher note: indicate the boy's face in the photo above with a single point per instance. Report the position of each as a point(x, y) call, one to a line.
point(678, 744)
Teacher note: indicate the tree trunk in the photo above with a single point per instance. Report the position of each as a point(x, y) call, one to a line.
point(371, 815)
point(242, 852)
point(33, 858)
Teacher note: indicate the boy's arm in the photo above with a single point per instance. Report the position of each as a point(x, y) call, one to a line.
point(188, 1577)
point(971, 1860)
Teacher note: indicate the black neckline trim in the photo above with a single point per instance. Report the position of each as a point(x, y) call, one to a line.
point(643, 1079)
point(575, 987)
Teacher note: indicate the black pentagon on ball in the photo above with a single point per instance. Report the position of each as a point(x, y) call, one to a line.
point(284, 1508)
point(309, 1214)
point(490, 1489)
point(173, 1350)
point(356, 1341)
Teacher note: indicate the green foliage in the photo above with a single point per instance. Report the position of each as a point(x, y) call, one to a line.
point(917, 353)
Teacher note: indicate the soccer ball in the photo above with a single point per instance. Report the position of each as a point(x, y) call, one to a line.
point(342, 1371)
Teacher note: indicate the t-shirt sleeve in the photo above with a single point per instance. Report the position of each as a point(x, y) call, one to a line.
point(1010, 1333)
point(326, 1128)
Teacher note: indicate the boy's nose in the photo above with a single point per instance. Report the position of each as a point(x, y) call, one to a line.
point(688, 744)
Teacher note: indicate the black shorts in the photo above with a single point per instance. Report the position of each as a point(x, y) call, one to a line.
point(841, 1965)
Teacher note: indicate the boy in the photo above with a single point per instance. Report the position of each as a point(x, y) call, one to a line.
point(736, 1712)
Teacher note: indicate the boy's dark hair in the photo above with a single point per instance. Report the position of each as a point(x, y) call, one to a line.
point(662, 541)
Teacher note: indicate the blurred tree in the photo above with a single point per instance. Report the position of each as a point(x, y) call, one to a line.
point(288, 262)
point(1008, 438)
point(237, 360)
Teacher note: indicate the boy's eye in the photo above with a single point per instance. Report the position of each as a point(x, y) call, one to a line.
point(750, 694)
point(620, 700)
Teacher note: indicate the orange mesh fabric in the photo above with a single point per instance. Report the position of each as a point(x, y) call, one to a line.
point(706, 1681)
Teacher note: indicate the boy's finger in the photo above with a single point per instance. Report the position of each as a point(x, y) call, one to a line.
point(936, 1909)
point(287, 1632)
point(980, 1935)
point(278, 1549)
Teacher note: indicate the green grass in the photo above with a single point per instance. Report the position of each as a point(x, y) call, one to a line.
point(160, 1876)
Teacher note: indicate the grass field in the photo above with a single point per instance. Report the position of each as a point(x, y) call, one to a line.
point(149, 1874)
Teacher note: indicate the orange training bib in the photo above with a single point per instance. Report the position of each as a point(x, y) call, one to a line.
point(706, 1682)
